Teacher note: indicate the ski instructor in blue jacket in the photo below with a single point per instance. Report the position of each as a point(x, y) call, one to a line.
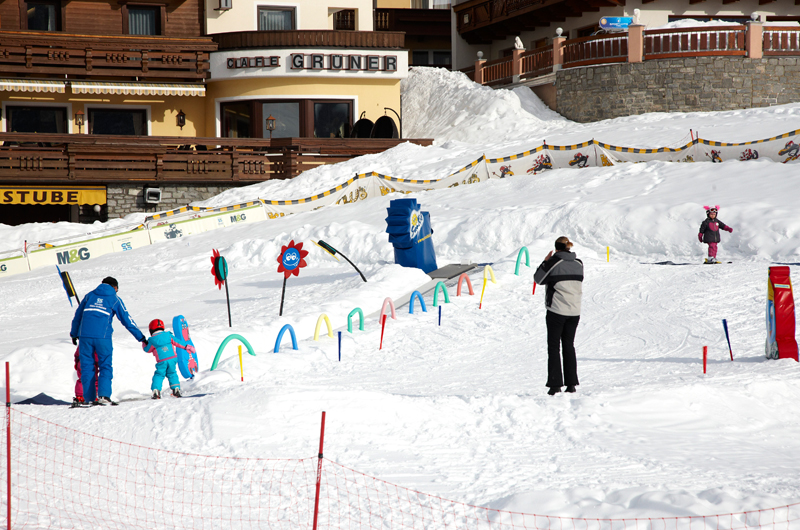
point(92, 327)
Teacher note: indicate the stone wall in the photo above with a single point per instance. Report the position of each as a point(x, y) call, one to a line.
point(123, 199)
point(696, 84)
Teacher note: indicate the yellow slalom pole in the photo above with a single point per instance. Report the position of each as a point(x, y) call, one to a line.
point(480, 304)
point(608, 254)
point(241, 366)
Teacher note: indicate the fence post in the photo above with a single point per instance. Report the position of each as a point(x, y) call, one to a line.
point(635, 43)
point(478, 76)
point(319, 470)
point(516, 64)
point(8, 446)
point(754, 40)
point(558, 50)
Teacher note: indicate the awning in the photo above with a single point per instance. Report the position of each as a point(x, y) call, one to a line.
point(137, 89)
point(32, 85)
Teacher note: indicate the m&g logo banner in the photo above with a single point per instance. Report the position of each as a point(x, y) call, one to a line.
point(52, 195)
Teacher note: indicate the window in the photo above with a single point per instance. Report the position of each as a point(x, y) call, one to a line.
point(144, 20)
point(43, 16)
point(275, 18)
point(345, 20)
point(48, 120)
point(419, 58)
point(430, 58)
point(236, 120)
point(301, 118)
point(287, 119)
point(587, 31)
point(441, 58)
point(121, 122)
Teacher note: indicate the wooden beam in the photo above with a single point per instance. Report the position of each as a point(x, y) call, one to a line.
point(729, 1)
point(763, 2)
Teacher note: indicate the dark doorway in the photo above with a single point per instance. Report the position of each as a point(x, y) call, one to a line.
point(17, 214)
point(123, 122)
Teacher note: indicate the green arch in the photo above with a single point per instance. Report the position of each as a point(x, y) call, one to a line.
point(226, 341)
point(436, 294)
point(519, 257)
point(360, 320)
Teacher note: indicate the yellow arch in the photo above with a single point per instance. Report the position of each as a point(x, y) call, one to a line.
point(488, 269)
point(319, 323)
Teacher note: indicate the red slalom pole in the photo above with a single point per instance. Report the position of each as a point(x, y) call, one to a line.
point(383, 325)
point(534, 288)
point(319, 470)
point(705, 358)
point(8, 446)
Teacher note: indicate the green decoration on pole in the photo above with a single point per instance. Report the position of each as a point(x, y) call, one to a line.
point(226, 341)
point(220, 271)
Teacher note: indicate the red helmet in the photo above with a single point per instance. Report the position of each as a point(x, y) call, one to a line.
point(156, 325)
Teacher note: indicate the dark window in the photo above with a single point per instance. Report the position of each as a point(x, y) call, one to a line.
point(236, 120)
point(44, 16)
point(420, 58)
point(345, 20)
point(275, 18)
point(144, 20)
point(332, 120)
point(587, 31)
point(287, 119)
point(36, 119)
point(124, 122)
point(441, 58)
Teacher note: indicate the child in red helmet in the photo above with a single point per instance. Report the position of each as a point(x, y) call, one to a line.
point(161, 345)
point(709, 232)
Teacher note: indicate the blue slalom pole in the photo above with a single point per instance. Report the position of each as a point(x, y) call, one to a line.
point(725, 325)
point(340, 346)
point(440, 315)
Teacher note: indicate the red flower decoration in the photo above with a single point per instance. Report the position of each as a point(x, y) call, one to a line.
point(291, 259)
point(219, 282)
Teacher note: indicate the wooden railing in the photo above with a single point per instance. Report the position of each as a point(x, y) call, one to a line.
point(310, 38)
point(470, 72)
point(779, 40)
point(43, 158)
point(694, 42)
point(427, 22)
point(537, 62)
point(497, 71)
point(42, 54)
point(599, 49)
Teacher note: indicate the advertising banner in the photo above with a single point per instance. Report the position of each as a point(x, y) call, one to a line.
point(13, 263)
point(784, 148)
point(190, 222)
point(77, 251)
point(781, 342)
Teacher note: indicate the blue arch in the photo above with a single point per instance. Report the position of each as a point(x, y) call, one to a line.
point(280, 336)
point(418, 296)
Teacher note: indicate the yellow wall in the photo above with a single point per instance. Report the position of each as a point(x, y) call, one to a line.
point(163, 110)
point(373, 94)
point(394, 4)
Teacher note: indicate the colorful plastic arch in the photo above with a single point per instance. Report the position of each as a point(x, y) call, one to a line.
point(360, 320)
point(469, 284)
point(488, 270)
point(226, 341)
point(319, 323)
point(418, 296)
point(436, 294)
point(280, 336)
point(519, 258)
point(391, 306)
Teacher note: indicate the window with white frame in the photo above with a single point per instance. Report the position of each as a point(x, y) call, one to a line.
point(276, 18)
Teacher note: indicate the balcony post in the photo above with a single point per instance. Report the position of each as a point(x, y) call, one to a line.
point(635, 43)
point(479, 68)
point(558, 50)
point(516, 64)
point(754, 40)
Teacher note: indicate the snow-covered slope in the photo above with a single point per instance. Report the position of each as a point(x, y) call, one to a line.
point(461, 410)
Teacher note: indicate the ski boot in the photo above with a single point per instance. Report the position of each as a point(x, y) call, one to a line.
point(104, 401)
point(176, 392)
point(156, 394)
point(79, 402)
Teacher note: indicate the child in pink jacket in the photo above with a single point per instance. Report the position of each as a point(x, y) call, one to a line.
point(709, 232)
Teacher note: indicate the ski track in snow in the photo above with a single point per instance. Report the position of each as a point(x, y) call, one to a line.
point(461, 410)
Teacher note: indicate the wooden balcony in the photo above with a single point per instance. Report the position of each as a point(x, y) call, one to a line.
point(416, 22)
point(97, 159)
point(240, 40)
point(694, 42)
point(40, 54)
point(483, 21)
point(781, 40)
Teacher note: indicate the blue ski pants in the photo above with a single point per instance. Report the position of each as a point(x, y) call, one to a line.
point(166, 369)
point(87, 346)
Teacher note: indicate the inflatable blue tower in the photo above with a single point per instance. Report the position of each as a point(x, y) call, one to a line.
point(410, 233)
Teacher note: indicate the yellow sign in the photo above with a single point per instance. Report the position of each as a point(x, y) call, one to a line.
point(52, 195)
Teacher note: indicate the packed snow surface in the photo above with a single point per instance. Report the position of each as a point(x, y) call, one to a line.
point(460, 410)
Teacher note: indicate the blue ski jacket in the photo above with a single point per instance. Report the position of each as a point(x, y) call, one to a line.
point(93, 317)
point(161, 346)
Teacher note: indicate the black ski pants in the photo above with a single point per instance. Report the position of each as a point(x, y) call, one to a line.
point(561, 331)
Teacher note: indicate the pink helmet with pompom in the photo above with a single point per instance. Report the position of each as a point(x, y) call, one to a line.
point(709, 209)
